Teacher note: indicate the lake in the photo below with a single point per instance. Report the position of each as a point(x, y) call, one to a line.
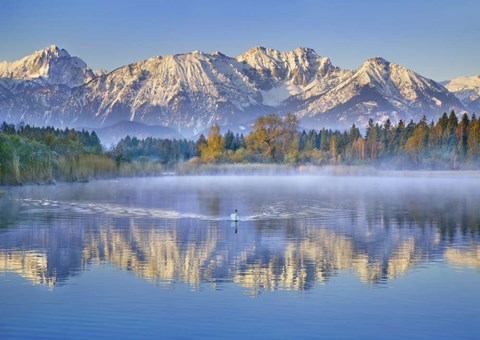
point(388, 256)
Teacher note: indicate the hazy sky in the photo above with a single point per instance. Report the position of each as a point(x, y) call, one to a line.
point(438, 39)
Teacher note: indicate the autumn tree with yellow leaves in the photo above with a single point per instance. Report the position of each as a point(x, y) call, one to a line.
point(212, 150)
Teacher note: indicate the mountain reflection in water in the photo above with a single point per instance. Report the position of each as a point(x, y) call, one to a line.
point(287, 240)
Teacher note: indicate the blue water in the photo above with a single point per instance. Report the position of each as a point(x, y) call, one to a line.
point(312, 257)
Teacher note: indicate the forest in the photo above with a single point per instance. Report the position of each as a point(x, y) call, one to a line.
point(45, 154)
point(449, 143)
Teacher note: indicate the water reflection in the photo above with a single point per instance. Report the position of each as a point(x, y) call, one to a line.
point(464, 257)
point(290, 241)
point(30, 265)
point(261, 256)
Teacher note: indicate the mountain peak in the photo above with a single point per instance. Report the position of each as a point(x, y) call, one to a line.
point(376, 67)
point(52, 65)
point(191, 91)
point(305, 50)
point(218, 54)
point(467, 89)
point(377, 61)
point(53, 50)
point(260, 50)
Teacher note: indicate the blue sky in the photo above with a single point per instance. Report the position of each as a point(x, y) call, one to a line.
point(438, 39)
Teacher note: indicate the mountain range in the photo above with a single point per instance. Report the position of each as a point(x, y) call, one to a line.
point(190, 92)
point(467, 89)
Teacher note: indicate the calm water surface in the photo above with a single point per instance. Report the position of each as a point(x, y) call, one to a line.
point(311, 257)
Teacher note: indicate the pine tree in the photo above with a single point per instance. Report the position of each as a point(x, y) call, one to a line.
point(462, 135)
point(201, 143)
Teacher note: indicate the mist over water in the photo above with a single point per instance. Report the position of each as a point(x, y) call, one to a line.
point(338, 239)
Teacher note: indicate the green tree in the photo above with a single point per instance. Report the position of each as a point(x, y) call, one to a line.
point(462, 135)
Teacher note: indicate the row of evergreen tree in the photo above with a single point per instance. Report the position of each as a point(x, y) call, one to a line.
point(42, 154)
point(448, 143)
point(62, 141)
point(167, 152)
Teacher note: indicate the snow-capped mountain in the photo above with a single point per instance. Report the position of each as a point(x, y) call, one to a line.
point(379, 90)
point(281, 75)
point(467, 89)
point(190, 92)
point(51, 65)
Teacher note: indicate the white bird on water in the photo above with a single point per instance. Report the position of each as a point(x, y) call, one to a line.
point(234, 216)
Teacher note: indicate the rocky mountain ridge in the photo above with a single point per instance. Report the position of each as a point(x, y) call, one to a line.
point(467, 89)
point(190, 92)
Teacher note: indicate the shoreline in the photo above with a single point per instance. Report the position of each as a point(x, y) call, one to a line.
point(260, 169)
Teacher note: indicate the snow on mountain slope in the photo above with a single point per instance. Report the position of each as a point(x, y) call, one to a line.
point(190, 92)
point(53, 65)
point(299, 66)
point(467, 89)
point(379, 90)
point(280, 75)
point(196, 90)
point(35, 102)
